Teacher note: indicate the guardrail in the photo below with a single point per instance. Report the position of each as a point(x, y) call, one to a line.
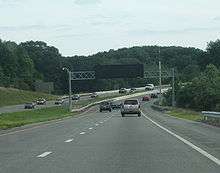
point(208, 114)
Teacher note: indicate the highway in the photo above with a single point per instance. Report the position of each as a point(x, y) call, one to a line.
point(97, 142)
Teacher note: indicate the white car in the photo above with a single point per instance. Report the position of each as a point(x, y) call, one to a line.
point(149, 87)
point(131, 106)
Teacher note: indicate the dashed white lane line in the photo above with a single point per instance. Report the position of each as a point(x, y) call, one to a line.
point(44, 154)
point(69, 140)
point(82, 133)
point(201, 151)
point(90, 128)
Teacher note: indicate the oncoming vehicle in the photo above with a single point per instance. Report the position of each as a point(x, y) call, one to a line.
point(94, 95)
point(76, 97)
point(132, 90)
point(41, 101)
point(131, 106)
point(105, 106)
point(29, 105)
point(122, 91)
point(149, 87)
point(59, 101)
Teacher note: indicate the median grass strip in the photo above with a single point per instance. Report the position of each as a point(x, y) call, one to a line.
point(9, 120)
point(11, 96)
point(185, 114)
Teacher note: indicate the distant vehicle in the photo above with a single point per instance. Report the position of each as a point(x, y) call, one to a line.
point(132, 90)
point(149, 87)
point(131, 107)
point(105, 106)
point(76, 97)
point(122, 91)
point(94, 95)
point(41, 101)
point(29, 105)
point(116, 105)
point(146, 98)
point(154, 95)
point(59, 101)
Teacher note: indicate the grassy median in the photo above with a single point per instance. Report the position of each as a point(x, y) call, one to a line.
point(9, 120)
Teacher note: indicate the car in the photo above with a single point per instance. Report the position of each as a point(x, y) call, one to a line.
point(146, 98)
point(41, 101)
point(94, 95)
point(29, 105)
point(59, 101)
point(154, 95)
point(122, 91)
point(76, 97)
point(116, 105)
point(105, 106)
point(131, 106)
point(149, 87)
point(132, 90)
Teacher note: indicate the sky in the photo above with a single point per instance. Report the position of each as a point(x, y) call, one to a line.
point(85, 27)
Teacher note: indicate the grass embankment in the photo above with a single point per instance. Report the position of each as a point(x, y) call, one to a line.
point(185, 114)
point(9, 120)
point(11, 96)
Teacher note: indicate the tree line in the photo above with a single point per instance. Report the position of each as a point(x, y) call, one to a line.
point(22, 64)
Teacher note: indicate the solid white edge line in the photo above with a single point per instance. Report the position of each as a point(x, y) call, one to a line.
point(69, 140)
point(44, 154)
point(201, 151)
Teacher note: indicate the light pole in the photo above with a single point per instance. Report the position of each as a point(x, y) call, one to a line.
point(70, 87)
point(173, 87)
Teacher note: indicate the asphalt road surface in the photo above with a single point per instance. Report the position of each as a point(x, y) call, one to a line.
point(107, 143)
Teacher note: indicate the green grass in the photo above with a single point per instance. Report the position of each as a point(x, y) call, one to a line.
point(9, 120)
point(185, 114)
point(11, 96)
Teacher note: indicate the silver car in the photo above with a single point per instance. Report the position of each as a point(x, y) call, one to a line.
point(131, 106)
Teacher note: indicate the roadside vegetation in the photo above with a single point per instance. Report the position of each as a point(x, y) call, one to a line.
point(185, 114)
point(11, 96)
point(16, 119)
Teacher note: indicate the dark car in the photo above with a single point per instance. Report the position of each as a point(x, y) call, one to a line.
point(122, 91)
point(29, 105)
point(146, 98)
point(154, 95)
point(41, 101)
point(94, 95)
point(132, 90)
point(116, 105)
point(76, 97)
point(105, 106)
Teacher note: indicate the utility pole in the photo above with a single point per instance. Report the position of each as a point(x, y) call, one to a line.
point(160, 84)
point(70, 87)
point(173, 87)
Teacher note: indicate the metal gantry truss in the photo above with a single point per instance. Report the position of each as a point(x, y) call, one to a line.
point(83, 75)
point(90, 75)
